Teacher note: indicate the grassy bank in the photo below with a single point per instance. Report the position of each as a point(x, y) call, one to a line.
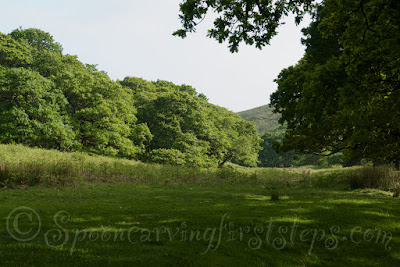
point(24, 166)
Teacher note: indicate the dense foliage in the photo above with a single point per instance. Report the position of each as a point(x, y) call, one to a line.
point(344, 94)
point(253, 22)
point(270, 154)
point(52, 100)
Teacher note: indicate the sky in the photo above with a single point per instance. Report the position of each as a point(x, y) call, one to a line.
point(134, 38)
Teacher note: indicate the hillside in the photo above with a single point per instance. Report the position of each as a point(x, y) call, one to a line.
point(265, 120)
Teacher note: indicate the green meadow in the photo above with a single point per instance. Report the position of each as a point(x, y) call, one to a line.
point(75, 209)
point(97, 170)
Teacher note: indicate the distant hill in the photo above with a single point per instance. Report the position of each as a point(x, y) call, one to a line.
point(265, 120)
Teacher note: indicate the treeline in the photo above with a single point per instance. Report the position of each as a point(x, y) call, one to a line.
point(52, 100)
point(270, 154)
point(272, 134)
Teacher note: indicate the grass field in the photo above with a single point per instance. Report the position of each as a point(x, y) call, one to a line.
point(102, 211)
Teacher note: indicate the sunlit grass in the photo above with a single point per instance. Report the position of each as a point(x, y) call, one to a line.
point(24, 166)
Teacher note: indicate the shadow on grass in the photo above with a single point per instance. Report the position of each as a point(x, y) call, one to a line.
point(202, 224)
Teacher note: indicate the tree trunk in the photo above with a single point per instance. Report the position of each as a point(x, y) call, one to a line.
point(222, 163)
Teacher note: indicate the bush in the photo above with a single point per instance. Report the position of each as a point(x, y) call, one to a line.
point(167, 156)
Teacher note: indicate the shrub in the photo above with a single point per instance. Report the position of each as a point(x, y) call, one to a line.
point(167, 156)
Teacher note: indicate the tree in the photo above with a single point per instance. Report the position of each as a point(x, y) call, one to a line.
point(14, 53)
point(31, 111)
point(179, 126)
point(344, 94)
point(36, 38)
point(103, 111)
point(46, 54)
point(231, 139)
point(52, 100)
point(138, 85)
point(268, 157)
point(253, 22)
point(59, 102)
point(188, 130)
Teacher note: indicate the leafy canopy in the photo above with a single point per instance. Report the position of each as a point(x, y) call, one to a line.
point(52, 100)
point(253, 22)
point(343, 95)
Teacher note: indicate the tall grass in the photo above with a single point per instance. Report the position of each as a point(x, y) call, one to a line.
point(21, 165)
point(382, 177)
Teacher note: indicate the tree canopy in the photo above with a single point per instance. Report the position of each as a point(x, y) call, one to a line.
point(253, 22)
point(52, 100)
point(343, 95)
